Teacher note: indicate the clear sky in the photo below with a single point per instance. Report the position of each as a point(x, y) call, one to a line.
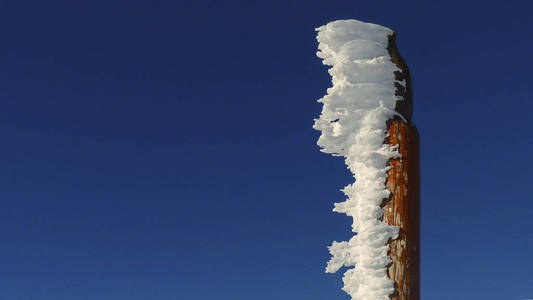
point(164, 149)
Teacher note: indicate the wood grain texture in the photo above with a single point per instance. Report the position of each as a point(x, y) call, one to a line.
point(403, 209)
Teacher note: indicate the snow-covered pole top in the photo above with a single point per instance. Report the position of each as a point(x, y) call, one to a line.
point(356, 40)
point(370, 87)
point(351, 39)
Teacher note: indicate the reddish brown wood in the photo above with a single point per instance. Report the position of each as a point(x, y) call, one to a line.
point(403, 209)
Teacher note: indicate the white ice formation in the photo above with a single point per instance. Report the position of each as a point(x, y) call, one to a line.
point(353, 125)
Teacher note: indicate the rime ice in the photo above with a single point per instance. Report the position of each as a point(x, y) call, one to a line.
point(353, 125)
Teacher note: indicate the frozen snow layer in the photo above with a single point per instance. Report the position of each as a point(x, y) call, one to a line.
point(353, 125)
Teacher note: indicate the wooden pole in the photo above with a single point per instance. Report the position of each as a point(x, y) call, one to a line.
point(402, 208)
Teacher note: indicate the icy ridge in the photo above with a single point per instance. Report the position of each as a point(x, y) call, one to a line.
point(353, 125)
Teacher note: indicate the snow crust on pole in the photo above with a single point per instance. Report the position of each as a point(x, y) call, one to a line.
point(353, 124)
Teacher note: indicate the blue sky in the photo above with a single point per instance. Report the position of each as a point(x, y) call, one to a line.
point(165, 150)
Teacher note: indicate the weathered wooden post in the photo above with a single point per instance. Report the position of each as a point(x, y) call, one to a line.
point(403, 206)
point(366, 118)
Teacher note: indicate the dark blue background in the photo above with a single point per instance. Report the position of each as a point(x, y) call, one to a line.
point(165, 150)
